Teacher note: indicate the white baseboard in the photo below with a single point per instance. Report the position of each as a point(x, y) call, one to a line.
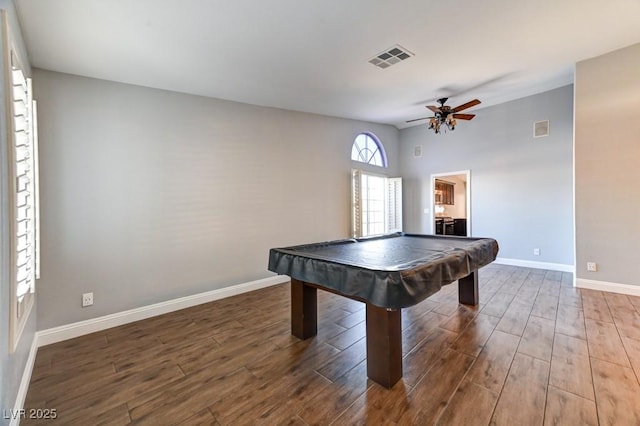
point(535, 265)
point(24, 383)
point(69, 331)
point(631, 290)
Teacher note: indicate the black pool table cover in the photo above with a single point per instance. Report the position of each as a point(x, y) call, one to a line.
point(391, 271)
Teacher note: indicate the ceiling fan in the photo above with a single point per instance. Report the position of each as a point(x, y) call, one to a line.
point(447, 116)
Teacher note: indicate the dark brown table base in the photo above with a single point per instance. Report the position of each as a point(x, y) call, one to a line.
point(384, 326)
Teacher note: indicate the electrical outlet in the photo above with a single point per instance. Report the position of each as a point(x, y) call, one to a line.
point(592, 267)
point(536, 252)
point(87, 299)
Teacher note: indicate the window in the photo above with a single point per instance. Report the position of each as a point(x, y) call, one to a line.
point(368, 149)
point(376, 200)
point(376, 204)
point(23, 189)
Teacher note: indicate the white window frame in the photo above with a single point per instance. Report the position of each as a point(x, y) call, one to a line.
point(22, 166)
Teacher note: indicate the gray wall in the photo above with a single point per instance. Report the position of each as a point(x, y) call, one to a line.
point(521, 187)
point(150, 195)
point(12, 364)
point(607, 157)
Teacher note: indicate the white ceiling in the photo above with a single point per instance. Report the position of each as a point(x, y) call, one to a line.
point(313, 55)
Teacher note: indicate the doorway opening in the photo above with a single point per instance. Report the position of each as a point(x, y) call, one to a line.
point(451, 203)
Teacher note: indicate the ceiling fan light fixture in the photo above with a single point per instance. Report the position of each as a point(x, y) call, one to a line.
point(447, 116)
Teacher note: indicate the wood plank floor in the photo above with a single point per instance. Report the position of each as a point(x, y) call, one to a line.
point(536, 351)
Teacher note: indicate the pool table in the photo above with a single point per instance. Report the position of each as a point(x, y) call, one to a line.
point(387, 273)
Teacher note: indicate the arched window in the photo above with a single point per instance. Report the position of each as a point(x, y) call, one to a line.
point(368, 149)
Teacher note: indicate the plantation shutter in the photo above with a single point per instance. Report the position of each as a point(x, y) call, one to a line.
point(393, 205)
point(36, 188)
point(356, 203)
point(22, 163)
point(24, 154)
point(392, 209)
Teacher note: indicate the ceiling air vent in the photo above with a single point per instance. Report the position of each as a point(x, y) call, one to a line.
point(391, 56)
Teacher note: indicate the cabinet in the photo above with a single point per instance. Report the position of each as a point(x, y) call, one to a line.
point(444, 226)
point(460, 227)
point(443, 192)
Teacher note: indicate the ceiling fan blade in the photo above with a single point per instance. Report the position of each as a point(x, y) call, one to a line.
point(465, 106)
point(418, 119)
point(464, 116)
point(433, 108)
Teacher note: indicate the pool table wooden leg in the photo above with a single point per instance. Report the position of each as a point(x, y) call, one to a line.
point(304, 310)
point(384, 345)
point(468, 289)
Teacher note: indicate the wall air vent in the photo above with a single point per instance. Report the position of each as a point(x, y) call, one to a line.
point(541, 129)
point(391, 56)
